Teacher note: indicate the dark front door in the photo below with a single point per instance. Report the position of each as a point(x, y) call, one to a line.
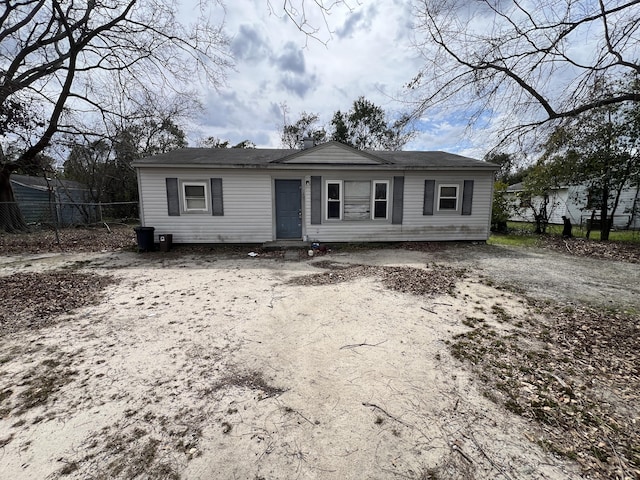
point(288, 209)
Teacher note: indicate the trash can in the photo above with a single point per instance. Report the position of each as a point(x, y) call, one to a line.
point(165, 241)
point(144, 235)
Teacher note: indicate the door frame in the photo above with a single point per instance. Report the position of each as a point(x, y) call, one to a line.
point(301, 207)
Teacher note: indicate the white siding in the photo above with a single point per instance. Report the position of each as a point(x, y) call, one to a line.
point(441, 226)
point(247, 207)
point(249, 215)
point(560, 204)
point(570, 202)
point(333, 154)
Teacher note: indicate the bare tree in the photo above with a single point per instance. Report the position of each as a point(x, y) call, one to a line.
point(531, 63)
point(56, 57)
point(311, 17)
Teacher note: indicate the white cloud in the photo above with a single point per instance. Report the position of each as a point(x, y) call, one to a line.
point(369, 54)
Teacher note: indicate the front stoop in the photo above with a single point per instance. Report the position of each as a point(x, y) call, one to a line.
point(292, 248)
point(286, 245)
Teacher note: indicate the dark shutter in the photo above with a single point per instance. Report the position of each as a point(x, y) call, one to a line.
point(467, 197)
point(398, 200)
point(217, 207)
point(316, 200)
point(429, 193)
point(173, 197)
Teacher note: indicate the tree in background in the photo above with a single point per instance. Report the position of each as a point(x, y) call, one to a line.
point(244, 144)
point(500, 207)
point(600, 150)
point(214, 142)
point(58, 56)
point(293, 135)
point(366, 127)
point(519, 59)
point(105, 164)
point(537, 192)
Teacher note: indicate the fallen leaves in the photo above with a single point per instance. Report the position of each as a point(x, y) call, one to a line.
point(34, 300)
point(434, 280)
point(81, 239)
point(618, 251)
point(577, 373)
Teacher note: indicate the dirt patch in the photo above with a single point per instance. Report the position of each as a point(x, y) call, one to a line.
point(444, 361)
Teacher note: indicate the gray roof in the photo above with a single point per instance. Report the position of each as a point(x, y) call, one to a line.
point(283, 158)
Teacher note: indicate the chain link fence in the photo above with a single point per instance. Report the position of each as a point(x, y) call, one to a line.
point(57, 214)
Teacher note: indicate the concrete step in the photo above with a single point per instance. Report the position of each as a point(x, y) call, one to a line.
point(286, 245)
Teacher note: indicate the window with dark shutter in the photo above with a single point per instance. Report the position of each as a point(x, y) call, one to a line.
point(467, 197)
point(217, 204)
point(429, 192)
point(173, 197)
point(398, 200)
point(316, 200)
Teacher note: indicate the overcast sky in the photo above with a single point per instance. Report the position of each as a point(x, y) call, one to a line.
point(369, 53)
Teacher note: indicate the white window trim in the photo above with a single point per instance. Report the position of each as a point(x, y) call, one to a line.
point(326, 199)
point(373, 200)
point(457, 197)
point(207, 196)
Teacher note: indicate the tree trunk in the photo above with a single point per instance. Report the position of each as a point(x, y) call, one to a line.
point(605, 223)
point(11, 219)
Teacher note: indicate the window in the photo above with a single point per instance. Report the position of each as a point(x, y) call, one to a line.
point(594, 198)
point(380, 199)
point(357, 200)
point(194, 196)
point(448, 197)
point(525, 200)
point(334, 199)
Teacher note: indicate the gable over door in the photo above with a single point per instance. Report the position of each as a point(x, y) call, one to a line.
point(288, 209)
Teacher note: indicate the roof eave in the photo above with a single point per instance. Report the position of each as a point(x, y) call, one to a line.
point(327, 166)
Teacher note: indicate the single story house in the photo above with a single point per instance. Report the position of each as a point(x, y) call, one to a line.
point(572, 201)
point(53, 201)
point(325, 193)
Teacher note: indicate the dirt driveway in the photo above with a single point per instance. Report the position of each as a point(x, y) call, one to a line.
point(225, 366)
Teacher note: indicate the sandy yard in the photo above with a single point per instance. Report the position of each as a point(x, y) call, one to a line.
point(223, 366)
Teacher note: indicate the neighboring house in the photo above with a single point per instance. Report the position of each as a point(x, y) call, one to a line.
point(326, 193)
point(50, 200)
point(572, 201)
